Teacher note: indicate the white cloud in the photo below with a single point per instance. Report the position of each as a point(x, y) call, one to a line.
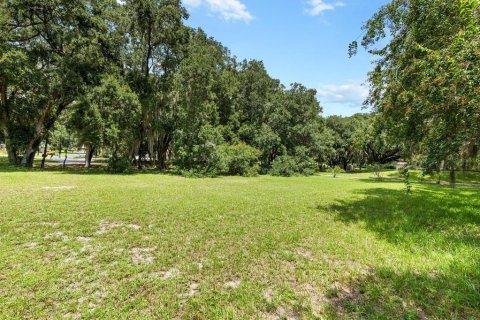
point(350, 95)
point(316, 7)
point(228, 9)
point(192, 3)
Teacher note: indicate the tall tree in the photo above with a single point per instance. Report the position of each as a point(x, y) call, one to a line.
point(107, 116)
point(156, 39)
point(50, 50)
point(197, 84)
point(426, 81)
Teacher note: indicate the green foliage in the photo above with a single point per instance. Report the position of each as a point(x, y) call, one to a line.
point(197, 151)
point(240, 159)
point(107, 116)
point(343, 131)
point(305, 163)
point(425, 81)
point(118, 164)
point(299, 164)
point(50, 53)
point(132, 79)
point(285, 166)
point(406, 180)
point(377, 171)
point(270, 145)
point(335, 171)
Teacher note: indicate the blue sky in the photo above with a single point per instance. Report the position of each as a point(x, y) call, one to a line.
point(302, 41)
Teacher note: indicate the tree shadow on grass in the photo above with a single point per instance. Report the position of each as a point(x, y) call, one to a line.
point(433, 215)
point(79, 169)
point(433, 222)
point(384, 293)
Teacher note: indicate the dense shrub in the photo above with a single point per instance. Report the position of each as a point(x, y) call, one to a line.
point(225, 159)
point(284, 166)
point(305, 164)
point(118, 164)
point(197, 153)
point(240, 159)
point(299, 164)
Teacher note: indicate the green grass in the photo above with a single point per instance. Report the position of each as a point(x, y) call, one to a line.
point(467, 177)
point(143, 246)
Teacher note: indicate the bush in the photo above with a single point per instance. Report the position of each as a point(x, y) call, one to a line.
point(335, 171)
point(197, 153)
point(305, 164)
point(240, 159)
point(300, 164)
point(284, 166)
point(118, 164)
point(377, 171)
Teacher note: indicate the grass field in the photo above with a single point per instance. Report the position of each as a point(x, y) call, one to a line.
point(98, 246)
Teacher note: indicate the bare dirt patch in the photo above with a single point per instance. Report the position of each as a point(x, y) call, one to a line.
point(268, 295)
point(346, 265)
point(304, 253)
point(170, 274)
point(281, 313)
point(50, 224)
point(340, 294)
point(72, 315)
point(315, 297)
point(233, 284)
point(31, 245)
point(192, 291)
point(83, 239)
point(59, 188)
point(57, 235)
point(108, 226)
point(142, 255)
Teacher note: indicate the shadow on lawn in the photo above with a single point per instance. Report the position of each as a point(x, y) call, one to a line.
point(440, 215)
point(431, 220)
point(384, 293)
point(80, 169)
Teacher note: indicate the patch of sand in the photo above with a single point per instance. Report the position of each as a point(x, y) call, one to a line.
point(142, 255)
point(105, 227)
point(59, 188)
point(232, 284)
point(170, 274)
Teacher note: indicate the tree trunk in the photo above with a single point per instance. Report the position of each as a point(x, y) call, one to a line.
point(4, 116)
point(65, 159)
point(140, 153)
point(44, 155)
point(12, 153)
point(30, 151)
point(453, 178)
point(90, 151)
point(163, 150)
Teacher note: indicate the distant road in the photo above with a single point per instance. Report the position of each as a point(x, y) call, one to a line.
point(75, 158)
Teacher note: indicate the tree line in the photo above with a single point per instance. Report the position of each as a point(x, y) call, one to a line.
point(132, 80)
